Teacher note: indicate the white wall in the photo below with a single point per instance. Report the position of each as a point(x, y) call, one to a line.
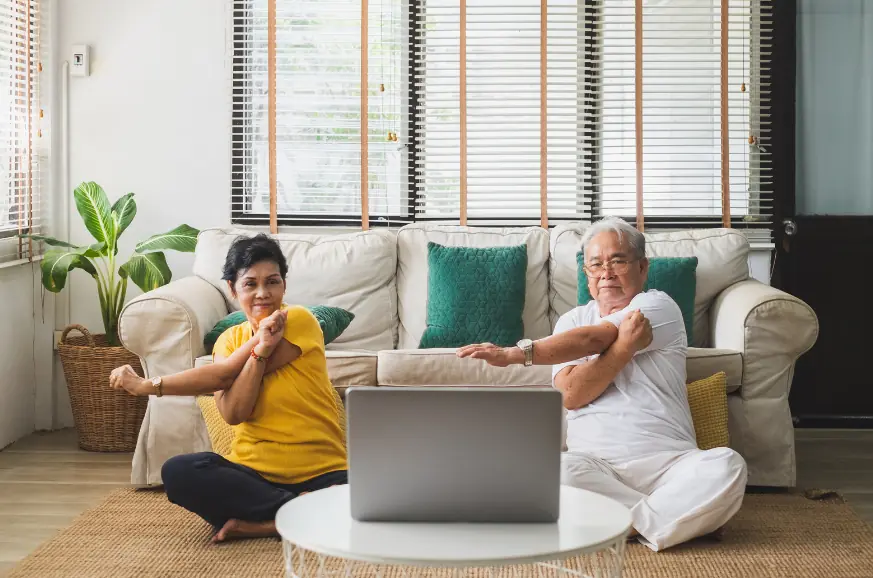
point(153, 118)
point(25, 342)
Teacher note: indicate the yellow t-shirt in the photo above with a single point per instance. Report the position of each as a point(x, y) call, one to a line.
point(293, 434)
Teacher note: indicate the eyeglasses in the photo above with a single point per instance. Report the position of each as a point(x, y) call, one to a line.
point(617, 266)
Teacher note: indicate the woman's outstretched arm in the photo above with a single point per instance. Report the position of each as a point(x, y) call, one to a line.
point(218, 376)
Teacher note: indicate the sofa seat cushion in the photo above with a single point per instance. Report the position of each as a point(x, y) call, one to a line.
point(722, 255)
point(444, 367)
point(344, 368)
point(412, 273)
point(353, 271)
point(702, 363)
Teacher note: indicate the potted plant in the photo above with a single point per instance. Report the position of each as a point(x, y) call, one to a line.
point(106, 419)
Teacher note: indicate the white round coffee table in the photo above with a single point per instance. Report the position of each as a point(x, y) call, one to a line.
point(320, 539)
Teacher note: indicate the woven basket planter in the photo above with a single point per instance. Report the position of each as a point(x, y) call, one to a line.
point(107, 420)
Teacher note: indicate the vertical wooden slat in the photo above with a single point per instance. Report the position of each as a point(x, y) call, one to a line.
point(638, 97)
point(28, 168)
point(463, 98)
point(20, 96)
point(365, 121)
point(271, 110)
point(725, 130)
point(544, 149)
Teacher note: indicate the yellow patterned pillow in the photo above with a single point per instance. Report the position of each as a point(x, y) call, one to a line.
point(221, 433)
point(709, 411)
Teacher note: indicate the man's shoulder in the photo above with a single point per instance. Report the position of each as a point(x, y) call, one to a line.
point(654, 298)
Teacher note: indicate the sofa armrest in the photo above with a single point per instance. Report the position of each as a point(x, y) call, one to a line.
point(165, 327)
point(771, 329)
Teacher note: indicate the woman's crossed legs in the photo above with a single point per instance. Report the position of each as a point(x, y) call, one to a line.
point(236, 500)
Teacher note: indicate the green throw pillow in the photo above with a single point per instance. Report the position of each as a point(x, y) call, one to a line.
point(333, 321)
point(675, 276)
point(474, 295)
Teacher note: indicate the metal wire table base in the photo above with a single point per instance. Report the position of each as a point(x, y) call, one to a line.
point(605, 563)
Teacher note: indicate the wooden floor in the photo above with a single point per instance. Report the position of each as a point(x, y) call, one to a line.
point(46, 481)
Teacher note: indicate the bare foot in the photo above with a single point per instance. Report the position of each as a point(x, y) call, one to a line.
point(234, 529)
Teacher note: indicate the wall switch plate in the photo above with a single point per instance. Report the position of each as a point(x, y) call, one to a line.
point(57, 339)
point(80, 60)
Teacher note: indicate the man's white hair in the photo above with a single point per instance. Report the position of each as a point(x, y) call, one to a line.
point(636, 241)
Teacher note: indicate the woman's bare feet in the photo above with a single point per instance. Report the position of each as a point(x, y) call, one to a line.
point(234, 529)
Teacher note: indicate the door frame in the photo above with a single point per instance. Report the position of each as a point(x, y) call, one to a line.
point(783, 80)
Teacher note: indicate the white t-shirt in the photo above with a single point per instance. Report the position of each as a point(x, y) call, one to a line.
point(645, 409)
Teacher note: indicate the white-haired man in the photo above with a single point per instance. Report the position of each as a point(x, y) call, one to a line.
point(620, 363)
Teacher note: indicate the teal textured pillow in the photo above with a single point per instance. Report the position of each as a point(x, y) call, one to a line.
point(474, 295)
point(675, 276)
point(333, 321)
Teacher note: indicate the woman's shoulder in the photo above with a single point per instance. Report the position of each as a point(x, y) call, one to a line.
point(299, 312)
point(232, 338)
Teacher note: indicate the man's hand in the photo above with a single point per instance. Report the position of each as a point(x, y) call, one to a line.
point(270, 333)
point(125, 378)
point(635, 333)
point(492, 354)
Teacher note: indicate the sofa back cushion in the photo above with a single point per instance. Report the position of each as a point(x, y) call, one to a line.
point(354, 271)
point(412, 272)
point(722, 260)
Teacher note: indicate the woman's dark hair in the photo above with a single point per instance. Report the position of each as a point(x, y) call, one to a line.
point(247, 251)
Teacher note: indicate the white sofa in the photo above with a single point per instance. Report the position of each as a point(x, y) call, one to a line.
point(753, 332)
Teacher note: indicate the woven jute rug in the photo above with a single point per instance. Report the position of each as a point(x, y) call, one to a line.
point(137, 533)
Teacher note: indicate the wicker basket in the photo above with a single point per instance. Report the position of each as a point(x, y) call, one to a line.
point(107, 420)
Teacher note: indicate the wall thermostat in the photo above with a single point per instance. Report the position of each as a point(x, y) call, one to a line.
point(80, 62)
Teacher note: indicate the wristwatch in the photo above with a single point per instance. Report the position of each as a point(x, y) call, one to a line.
point(526, 345)
point(157, 383)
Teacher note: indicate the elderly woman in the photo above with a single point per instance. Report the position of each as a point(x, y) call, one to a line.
point(270, 381)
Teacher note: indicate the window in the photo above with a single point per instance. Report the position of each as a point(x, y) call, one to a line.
point(681, 105)
point(482, 136)
point(318, 111)
point(19, 128)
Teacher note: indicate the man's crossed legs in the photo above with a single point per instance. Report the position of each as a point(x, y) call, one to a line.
point(672, 496)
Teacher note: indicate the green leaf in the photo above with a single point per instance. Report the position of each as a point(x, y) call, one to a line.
point(57, 263)
point(123, 212)
point(93, 204)
point(149, 271)
point(182, 238)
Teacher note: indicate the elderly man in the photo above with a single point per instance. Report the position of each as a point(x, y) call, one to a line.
point(620, 363)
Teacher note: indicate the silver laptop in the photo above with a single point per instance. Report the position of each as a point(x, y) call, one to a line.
point(454, 454)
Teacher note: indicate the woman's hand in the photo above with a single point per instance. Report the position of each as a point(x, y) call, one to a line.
point(125, 378)
point(270, 333)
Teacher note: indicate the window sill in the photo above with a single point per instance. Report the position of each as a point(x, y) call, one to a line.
point(17, 262)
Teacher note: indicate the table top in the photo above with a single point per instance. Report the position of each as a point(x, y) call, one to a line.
point(321, 522)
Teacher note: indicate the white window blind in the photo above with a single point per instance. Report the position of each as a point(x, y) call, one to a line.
point(682, 111)
point(318, 110)
point(20, 175)
point(518, 111)
point(503, 80)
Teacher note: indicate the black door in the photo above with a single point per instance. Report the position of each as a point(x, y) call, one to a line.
point(823, 174)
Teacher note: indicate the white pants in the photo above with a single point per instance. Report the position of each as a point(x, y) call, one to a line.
point(672, 496)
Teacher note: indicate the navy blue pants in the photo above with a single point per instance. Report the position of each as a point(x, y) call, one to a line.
point(218, 490)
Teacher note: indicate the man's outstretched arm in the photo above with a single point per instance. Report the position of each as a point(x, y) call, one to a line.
point(561, 347)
